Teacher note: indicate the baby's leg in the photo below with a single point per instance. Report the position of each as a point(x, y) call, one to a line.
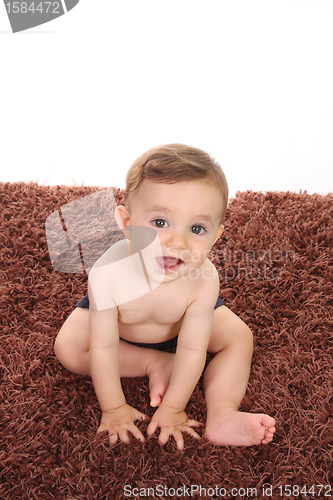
point(72, 350)
point(71, 346)
point(225, 382)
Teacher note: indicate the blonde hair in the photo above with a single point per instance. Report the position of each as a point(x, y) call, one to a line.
point(175, 163)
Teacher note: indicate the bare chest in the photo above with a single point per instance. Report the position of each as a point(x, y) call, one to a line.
point(165, 305)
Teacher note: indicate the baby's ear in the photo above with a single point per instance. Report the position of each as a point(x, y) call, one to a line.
point(220, 231)
point(122, 217)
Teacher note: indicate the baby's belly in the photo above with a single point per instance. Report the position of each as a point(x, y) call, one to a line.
point(150, 333)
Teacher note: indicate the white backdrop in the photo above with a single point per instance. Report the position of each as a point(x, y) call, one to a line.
point(248, 80)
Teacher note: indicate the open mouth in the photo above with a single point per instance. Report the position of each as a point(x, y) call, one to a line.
point(168, 264)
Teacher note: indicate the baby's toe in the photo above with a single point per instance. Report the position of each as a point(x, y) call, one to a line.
point(268, 437)
point(268, 421)
point(155, 400)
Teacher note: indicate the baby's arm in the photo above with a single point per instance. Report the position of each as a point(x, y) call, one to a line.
point(188, 366)
point(117, 416)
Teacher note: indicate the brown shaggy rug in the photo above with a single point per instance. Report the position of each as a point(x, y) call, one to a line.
point(276, 267)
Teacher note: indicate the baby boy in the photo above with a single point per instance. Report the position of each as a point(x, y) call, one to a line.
point(181, 193)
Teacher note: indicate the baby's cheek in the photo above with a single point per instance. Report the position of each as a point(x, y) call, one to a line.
point(197, 258)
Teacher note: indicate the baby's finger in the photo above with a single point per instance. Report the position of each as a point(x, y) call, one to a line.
point(165, 433)
point(123, 436)
point(151, 429)
point(191, 432)
point(140, 416)
point(101, 428)
point(193, 423)
point(177, 434)
point(113, 437)
point(136, 433)
point(112, 434)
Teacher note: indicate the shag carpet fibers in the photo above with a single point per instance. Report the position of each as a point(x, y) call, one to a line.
point(275, 261)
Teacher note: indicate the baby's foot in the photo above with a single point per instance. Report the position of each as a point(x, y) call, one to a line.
point(234, 428)
point(159, 372)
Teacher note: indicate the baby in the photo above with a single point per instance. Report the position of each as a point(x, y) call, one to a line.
point(180, 194)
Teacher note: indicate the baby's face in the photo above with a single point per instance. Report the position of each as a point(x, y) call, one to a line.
point(186, 217)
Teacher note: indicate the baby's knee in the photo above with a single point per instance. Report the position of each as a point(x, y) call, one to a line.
point(60, 347)
point(69, 355)
point(243, 336)
point(72, 342)
point(247, 336)
point(64, 345)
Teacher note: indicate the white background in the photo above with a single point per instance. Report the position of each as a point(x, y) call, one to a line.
point(249, 81)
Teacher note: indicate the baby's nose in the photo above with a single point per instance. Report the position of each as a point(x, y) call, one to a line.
point(177, 239)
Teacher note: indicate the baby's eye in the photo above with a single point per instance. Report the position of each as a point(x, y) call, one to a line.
point(196, 229)
point(160, 223)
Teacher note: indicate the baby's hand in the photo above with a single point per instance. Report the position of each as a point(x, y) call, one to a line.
point(172, 422)
point(119, 422)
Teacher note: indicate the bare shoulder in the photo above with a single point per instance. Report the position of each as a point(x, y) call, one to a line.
point(205, 284)
point(212, 269)
point(116, 252)
point(207, 274)
point(108, 275)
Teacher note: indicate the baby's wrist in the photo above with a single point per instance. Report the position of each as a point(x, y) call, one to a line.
point(170, 408)
point(114, 407)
